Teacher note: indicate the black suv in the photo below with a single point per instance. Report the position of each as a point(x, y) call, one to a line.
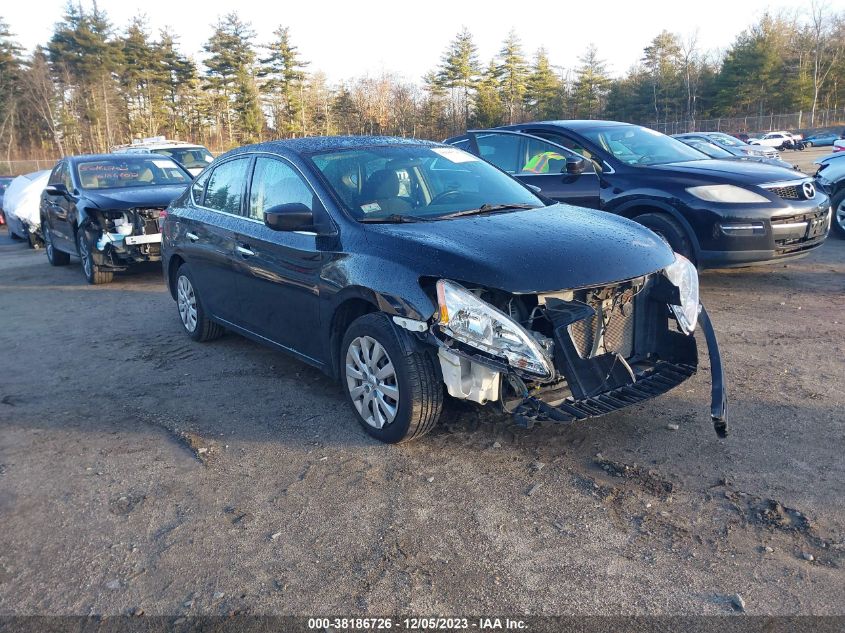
point(716, 213)
point(400, 266)
point(106, 208)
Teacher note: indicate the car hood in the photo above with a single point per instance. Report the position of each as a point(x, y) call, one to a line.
point(134, 196)
point(540, 250)
point(748, 173)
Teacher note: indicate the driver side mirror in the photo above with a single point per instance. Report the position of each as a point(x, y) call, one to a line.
point(59, 189)
point(575, 165)
point(293, 216)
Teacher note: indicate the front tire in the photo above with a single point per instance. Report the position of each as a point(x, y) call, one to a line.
point(670, 230)
point(197, 325)
point(390, 383)
point(94, 274)
point(54, 256)
point(837, 219)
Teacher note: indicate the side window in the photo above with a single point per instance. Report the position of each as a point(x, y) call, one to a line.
point(569, 144)
point(66, 177)
point(198, 188)
point(225, 188)
point(58, 174)
point(500, 149)
point(273, 183)
point(545, 158)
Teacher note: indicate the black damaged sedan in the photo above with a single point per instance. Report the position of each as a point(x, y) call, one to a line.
point(406, 269)
point(106, 208)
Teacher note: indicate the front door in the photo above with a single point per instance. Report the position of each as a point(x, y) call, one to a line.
point(279, 271)
point(540, 163)
point(59, 210)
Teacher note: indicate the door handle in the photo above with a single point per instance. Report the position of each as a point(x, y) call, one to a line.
point(245, 251)
point(192, 236)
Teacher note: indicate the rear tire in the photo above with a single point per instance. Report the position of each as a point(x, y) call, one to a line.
point(54, 256)
point(670, 230)
point(191, 313)
point(391, 384)
point(837, 219)
point(94, 274)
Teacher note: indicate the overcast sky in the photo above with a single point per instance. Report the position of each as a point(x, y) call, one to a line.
point(348, 39)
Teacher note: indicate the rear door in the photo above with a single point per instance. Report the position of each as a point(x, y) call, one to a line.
point(209, 235)
point(279, 271)
point(540, 163)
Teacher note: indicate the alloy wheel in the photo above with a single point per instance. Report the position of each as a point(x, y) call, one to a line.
point(85, 255)
point(839, 216)
point(186, 300)
point(371, 380)
point(48, 242)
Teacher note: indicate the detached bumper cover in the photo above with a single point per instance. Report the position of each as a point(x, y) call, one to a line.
point(660, 378)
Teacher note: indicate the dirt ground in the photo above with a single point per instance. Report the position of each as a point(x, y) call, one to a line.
point(141, 470)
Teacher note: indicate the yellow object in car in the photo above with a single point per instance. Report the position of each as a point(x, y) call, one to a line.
point(539, 164)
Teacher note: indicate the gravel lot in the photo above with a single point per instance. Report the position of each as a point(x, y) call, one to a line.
point(141, 470)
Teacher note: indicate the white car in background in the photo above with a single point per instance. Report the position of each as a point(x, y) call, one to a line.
point(774, 139)
point(22, 206)
point(191, 156)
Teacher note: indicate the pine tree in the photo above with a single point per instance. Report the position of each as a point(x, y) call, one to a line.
point(544, 89)
point(591, 84)
point(231, 79)
point(459, 70)
point(10, 83)
point(513, 77)
point(283, 74)
point(489, 110)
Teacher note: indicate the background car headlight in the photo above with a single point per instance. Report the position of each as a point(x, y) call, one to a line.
point(468, 319)
point(726, 194)
point(683, 274)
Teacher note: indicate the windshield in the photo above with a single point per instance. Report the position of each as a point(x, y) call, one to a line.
point(727, 139)
point(129, 171)
point(711, 149)
point(188, 157)
point(637, 145)
point(417, 182)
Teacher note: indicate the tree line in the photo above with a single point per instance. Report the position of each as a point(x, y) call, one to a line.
point(92, 85)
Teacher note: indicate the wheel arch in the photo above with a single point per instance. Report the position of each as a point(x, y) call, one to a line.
point(173, 265)
point(637, 208)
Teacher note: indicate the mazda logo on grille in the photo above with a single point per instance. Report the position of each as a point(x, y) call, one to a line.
point(809, 190)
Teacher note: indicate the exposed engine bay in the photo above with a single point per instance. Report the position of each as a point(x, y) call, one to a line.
point(125, 237)
point(602, 348)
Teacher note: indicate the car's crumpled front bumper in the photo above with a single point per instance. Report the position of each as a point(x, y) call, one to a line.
point(603, 384)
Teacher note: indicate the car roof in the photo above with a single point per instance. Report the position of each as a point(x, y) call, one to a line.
point(116, 156)
point(577, 124)
point(314, 144)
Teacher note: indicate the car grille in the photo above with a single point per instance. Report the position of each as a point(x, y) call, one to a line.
point(618, 329)
point(789, 192)
point(802, 230)
point(771, 153)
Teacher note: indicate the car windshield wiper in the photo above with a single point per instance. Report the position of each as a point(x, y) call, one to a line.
point(393, 218)
point(486, 208)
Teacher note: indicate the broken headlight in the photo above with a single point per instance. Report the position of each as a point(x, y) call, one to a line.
point(476, 323)
point(683, 274)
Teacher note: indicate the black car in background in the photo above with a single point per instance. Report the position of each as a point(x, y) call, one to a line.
point(401, 266)
point(105, 208)
point(716, 213)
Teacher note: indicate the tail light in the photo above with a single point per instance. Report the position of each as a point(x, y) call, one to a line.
point(161, 215)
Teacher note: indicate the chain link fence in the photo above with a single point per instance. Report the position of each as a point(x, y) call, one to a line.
point(18, 167)
point(795, 121)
